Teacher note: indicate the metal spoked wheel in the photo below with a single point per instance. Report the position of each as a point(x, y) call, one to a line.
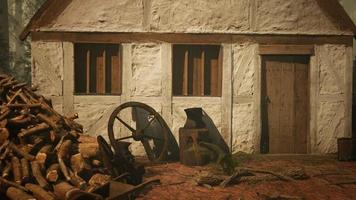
point(150, 129)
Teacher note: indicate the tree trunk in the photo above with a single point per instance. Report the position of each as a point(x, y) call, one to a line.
point(4, 37)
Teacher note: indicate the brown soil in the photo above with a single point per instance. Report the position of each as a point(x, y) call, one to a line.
point(178, 181)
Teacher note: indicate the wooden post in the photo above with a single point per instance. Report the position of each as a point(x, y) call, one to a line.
point(116, 80)
point(202, 72)
point(100, 72)
point(185, 73)
point(88, 71)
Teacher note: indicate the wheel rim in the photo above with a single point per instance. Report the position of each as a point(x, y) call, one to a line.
point(159, 150)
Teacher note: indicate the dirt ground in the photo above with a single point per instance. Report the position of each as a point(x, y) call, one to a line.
point(325, 173)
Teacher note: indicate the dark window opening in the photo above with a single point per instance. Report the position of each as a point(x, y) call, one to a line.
point(97, 69)
point(197, 70)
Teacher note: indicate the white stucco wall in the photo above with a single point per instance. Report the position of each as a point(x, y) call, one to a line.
point(146, 70)
point(143, 81)
point(199, 16)
point(108, 16)
point(47, 71)
point(244, 120)
point(333, 63)
point(47, 67)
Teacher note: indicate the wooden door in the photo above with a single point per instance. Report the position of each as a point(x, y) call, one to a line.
point(285, 104)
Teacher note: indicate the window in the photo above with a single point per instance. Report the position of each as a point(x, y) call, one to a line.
point(197, 70)
point(97, 69)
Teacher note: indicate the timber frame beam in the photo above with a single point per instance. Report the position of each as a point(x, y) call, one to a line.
point(287, 50)
point(181, 38)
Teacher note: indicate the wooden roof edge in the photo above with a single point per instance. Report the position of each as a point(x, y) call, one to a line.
point(34, 19)
point(338, 14)
point(44, 15)
point(52, 8)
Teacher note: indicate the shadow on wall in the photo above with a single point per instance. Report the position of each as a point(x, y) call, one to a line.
point(214, 134)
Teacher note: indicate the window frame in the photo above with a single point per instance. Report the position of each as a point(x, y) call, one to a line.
point(219, 81)
point(95, 47)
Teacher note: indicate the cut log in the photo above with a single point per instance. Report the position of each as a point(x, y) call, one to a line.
point(22, 153)
point(72, 116)
point(55, 137)
point(53, 173)
point(36, 172)
point(64, 169)
point(4, 145)
point(5, 112)
point(5, 153)
point(6, 170)
point(36, 144)
point(17, 194)
point(4, 135)
point(77, 181)
point(3, 123)
point(23, 97)
point(99, 179)
point(16, 169)
point(51, 122)
point(44, 153)
point(6, 183)
point(89, 150)
point(65, 150)
point(61, 189)
point(34, 130)
point(64, 154)
point(39, 192)
point(80, 165)
point(20, 105)
point(20, 121)
point(73, 125)
point(25, 166)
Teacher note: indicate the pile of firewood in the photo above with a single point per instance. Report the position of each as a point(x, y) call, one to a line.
point(41, 156)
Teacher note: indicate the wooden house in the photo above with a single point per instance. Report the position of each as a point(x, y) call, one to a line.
point(273, 75)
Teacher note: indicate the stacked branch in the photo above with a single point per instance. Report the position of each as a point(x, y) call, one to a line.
point(40, 150)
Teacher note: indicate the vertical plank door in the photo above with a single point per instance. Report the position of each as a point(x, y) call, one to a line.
point(301, 107)
point(286, 80)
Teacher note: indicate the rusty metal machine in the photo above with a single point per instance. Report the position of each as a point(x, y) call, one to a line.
point(190, 137)
point(197, 146)
point(150, 129)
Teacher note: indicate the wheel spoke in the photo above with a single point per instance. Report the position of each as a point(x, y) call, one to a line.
point(125, 124)
point(125, 138)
